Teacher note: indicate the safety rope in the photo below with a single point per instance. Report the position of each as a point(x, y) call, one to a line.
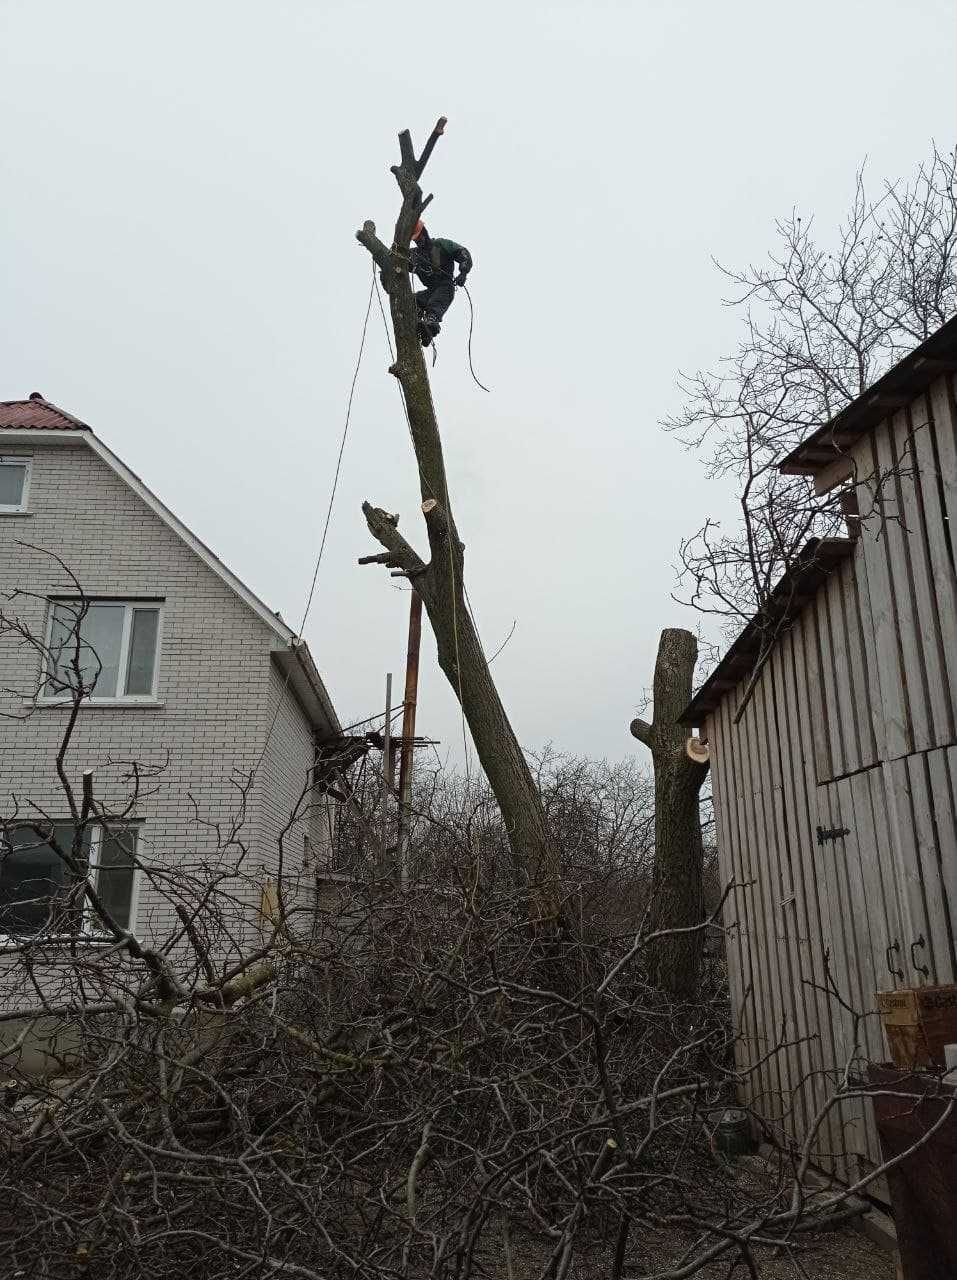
point(342, 446)
point(325, 529)
point(475, 379)
point(455, 630)
point(450, 275)
point(374, 290)
point(465, 288)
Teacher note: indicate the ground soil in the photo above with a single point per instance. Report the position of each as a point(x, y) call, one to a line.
point(839, 1255)
point(843, 1254)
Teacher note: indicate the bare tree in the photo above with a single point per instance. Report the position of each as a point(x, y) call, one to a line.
point(440, 582)
point(821, 324)
point(677, 901)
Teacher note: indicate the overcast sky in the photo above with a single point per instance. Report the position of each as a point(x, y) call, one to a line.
point(181, 184)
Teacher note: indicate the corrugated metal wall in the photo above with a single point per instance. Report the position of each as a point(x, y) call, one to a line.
point(851, 725)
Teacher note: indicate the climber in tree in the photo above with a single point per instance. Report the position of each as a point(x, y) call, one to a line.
point(433, 261)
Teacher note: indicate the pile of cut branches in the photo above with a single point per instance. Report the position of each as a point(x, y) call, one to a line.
point(399, 1084)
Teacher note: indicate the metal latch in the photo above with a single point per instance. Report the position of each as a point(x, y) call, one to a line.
point(832, 833)
point(921, 968)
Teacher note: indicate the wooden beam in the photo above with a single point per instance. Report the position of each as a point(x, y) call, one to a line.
point(938, 364)
point(889, 400)
point(835, 473)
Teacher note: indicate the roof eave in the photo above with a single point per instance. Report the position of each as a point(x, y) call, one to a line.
point(791, 593)
point(297, 665)
point(48, 435)
point(898, 387)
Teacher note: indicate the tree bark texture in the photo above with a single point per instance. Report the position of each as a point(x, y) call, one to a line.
point(679, 850)
point(440, 581)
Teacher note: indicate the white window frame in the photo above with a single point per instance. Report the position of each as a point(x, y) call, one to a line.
point(89, 929)
point(112, 699)
point(17, 460)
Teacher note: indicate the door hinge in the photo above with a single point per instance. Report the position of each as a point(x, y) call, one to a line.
point(832, 833)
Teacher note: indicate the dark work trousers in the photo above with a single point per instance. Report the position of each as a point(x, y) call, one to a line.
point(436, 299)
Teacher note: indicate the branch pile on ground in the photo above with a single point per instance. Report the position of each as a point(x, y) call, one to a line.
point(409, 1087)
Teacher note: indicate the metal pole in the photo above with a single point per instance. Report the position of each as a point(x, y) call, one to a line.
point(386, 782)
point(408, 731)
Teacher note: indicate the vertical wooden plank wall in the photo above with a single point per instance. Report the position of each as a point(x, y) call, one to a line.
point(852, 724)
point(765, 789)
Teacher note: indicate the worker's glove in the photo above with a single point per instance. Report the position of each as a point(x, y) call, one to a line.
point(461, 279)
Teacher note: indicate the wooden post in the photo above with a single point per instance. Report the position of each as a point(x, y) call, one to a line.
point(386, 780)
point(408, 732)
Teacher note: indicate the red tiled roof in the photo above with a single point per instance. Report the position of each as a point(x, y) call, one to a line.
point(37, 414)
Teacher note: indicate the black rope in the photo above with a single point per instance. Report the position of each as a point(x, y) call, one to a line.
point(325, 529)
point(342, 446)
point(450, 275)
point(471, 327)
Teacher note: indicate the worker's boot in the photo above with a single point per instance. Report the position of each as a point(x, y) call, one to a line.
point(429, 328)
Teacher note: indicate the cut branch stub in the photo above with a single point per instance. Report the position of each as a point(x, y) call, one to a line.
point(380, 254)
point(430, 147)
point(435, 519)
point(407, 152)
point(399, 554)
point(641, 730)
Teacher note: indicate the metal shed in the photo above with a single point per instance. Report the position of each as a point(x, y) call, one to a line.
point(836, 791)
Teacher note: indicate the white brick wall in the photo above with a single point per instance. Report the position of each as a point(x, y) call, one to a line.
point(282, 794)
point(217, 685)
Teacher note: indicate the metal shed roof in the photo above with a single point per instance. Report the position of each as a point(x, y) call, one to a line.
point(898, 387)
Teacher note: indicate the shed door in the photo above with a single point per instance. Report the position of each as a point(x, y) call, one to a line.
point(857, 864)
point(865, 933)
point(920, 791)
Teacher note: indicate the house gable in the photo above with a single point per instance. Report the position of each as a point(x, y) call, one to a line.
point(35, 423)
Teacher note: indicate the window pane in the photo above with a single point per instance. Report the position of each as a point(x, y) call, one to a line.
point(61, 649)
point(12, 477)
point(33, 878)
point(114, 877)
point(101, 630)
point(139, 671)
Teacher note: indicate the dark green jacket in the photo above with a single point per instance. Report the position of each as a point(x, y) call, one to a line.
point(435, 260)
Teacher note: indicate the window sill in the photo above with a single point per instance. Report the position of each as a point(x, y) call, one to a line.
point(16, 515)
point(59, 940)
point(97, 704)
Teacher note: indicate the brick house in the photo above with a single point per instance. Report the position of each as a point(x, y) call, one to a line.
point(196, 679)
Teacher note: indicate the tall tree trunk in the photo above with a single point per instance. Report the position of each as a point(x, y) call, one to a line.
point(679, 851)
point(440, 582)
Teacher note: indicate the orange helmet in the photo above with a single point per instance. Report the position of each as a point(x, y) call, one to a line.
point(418, 229)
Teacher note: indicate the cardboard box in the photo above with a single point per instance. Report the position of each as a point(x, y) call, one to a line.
point(918, 1022)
